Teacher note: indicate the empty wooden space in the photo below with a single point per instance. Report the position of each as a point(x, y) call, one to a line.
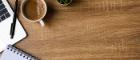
point(86, 30)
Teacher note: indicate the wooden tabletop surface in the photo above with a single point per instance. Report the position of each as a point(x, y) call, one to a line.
point(86, 30)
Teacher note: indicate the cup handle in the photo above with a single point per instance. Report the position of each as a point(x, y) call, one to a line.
point(42, 23)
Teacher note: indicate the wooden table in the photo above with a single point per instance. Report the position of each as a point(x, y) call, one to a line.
point(86, 30)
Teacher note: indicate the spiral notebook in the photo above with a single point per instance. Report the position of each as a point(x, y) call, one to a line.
point(12, 53)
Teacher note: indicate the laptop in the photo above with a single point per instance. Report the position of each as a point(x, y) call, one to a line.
point(6, 18)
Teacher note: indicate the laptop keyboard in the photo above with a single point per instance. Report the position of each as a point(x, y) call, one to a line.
point(3, 12)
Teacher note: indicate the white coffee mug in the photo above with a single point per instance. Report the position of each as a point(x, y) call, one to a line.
point(38, 20)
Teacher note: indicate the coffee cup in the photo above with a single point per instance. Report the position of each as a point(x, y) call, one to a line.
point(34, 10)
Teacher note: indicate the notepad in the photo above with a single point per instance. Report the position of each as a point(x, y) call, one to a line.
point(5, 24)
point(12, 53)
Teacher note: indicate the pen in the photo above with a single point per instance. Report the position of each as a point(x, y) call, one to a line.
point(13, 24)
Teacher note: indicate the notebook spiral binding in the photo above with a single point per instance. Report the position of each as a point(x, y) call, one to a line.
point(21, 53)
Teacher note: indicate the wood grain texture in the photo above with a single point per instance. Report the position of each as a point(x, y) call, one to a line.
point(86, 30)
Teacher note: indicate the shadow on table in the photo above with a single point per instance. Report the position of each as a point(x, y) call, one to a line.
point(50, 13)
point(75, 3)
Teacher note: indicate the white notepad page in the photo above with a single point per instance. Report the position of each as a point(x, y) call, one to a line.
point(12, 53)
point(5, 30)
point(5, 35)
